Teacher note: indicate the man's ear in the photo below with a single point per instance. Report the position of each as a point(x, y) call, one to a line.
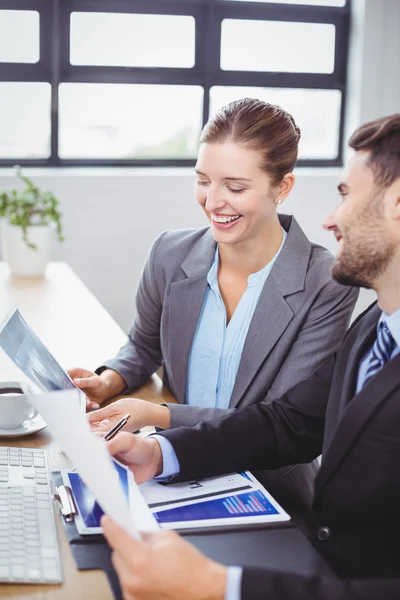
point(395, 199)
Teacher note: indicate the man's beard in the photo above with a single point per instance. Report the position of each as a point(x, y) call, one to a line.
point(363, 259)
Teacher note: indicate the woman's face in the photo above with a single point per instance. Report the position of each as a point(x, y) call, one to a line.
point(235, 194)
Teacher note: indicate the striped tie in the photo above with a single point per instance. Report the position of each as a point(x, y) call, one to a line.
point(381, 351)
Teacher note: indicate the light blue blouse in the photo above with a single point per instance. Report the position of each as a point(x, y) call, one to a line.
point(217, 347)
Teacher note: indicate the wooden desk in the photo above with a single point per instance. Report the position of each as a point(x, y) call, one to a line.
point(79, 332)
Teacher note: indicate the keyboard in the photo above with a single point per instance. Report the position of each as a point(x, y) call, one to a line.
point(29, 549)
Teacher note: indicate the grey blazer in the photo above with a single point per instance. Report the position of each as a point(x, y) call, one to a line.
point(300, 319)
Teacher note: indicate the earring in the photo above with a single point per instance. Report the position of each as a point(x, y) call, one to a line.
point(279, 202)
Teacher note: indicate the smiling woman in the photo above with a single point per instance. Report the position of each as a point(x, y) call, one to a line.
point(240, 311)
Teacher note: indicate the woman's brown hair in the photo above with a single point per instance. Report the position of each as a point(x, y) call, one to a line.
point(263, 127)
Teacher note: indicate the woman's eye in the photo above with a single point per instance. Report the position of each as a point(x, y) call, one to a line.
point(236, 190)
point(199, 182)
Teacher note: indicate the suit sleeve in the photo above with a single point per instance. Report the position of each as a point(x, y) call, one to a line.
point(141, 356)
point(321, 334)
point(263, 584)
point(287, 431)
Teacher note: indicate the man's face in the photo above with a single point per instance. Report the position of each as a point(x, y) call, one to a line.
point(360, 226)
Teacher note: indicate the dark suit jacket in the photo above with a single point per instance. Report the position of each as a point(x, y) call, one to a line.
point(356, 506)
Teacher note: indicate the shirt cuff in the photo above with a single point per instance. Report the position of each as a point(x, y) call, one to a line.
point(233, 584)
point(171, 466)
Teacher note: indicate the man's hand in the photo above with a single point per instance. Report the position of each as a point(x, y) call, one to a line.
point(141, 455)
point(141, 412)
point(163, 566)
point(97, 388)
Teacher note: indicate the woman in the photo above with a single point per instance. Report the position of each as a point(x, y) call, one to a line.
point(240, 311)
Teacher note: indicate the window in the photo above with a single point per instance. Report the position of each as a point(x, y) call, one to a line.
point(132, 82)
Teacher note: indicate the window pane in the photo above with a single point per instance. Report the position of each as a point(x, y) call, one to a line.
point(25, 120)
point(19, 36)
point(129, 121)
point(129, 40)
point(277, 46)
point(313, 2)
point(316, 112)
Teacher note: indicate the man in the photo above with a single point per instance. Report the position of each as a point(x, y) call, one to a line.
point(349, 410)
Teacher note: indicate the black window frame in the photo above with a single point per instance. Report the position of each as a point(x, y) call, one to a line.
point(54, 66)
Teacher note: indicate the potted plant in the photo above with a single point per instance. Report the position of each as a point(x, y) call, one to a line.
point(29, 217)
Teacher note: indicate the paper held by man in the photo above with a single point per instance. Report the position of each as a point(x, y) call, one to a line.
point(89, 454)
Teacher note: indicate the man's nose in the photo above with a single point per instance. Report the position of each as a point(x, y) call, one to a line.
point(330, 221)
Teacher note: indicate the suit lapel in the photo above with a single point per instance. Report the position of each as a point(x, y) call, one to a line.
point(186, 301)
point(272, 314)
point(355, 416)
point(359, 349)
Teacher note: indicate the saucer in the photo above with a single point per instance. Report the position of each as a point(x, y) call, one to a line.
point(29, 426)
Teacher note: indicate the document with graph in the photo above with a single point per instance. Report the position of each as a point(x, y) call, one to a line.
point(234, 500)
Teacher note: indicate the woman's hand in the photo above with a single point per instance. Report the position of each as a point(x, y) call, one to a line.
point(163, 566)
point(97, 388)
point(141, 412)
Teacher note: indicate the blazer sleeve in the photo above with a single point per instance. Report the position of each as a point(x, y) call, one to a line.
point(262, 436)
point(141, 356)
point(263, 584)
point(321, 334)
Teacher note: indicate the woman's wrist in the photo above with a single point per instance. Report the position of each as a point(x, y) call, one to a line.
point(160, 417)
point(114, 384)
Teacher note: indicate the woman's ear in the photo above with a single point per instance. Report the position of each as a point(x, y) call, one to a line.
point(284, 187)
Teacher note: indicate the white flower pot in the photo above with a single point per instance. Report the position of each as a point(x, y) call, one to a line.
point(21, 259)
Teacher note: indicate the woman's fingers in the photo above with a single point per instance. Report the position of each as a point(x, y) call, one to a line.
point(88, 383)
point(103, 413)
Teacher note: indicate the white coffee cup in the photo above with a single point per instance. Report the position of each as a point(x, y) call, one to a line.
point(14, 406)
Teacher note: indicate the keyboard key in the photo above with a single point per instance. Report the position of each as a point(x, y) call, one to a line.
point(4, 572)
point(51, 575)
point(29, 491)
point(47, 536)
point(39, 462)
point(48, 552)
point(18, 571)
point(29, 474)
point(31, 530)
point(34, 574)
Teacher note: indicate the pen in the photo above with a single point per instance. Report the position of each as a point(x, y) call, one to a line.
point(114, 430)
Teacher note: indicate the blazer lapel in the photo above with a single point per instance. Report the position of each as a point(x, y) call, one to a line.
point(185, 303)
point(273, 314)
point(354, 418)
point(270, 319)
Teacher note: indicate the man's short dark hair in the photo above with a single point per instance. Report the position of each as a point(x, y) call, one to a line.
point(382, 138)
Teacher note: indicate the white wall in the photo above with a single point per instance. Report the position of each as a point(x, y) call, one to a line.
point(111, 216)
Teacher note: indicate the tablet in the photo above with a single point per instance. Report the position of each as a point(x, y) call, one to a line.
point(249, 504)
point(89, 513)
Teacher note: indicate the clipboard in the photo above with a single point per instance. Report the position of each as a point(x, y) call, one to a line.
point(89, 551)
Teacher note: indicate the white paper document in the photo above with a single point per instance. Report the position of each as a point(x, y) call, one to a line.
point(29, 353)
point(71, 430)
point(158, 495)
